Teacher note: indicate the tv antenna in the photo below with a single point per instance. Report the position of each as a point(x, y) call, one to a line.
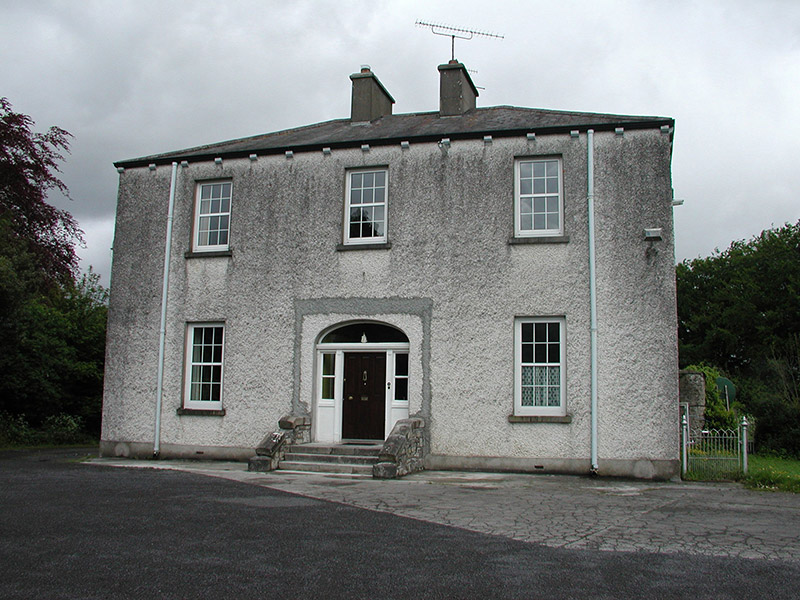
point(456, 32)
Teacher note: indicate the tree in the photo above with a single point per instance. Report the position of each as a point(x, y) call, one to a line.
point(29, 163)
point(734, 305)
point(739, 310)
point(55, 364)
point(52, 323)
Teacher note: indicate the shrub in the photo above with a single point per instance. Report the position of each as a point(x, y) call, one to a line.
point(63, 429)
point(717, 414)
point(56, 430)
point(15, 431)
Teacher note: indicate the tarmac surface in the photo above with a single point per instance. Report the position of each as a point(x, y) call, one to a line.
point(559, 511)
point(163, 529)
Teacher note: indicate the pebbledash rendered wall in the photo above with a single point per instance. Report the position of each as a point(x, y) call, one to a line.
point(451, 281)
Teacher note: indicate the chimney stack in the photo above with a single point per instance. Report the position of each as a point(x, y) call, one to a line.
point(370, 99)
point(457, 93)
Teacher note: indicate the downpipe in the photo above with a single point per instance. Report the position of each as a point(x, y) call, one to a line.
point(592, 296)
point(162, 331)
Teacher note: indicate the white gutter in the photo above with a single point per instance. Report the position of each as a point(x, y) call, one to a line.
point(162, 333)
point(592, 294)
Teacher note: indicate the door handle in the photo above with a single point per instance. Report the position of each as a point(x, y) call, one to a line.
point(365, 376)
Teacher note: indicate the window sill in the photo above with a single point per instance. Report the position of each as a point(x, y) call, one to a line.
point(210, 254)
point(378, 246)
point(201, 412)
point(543, 239)
point(539, 419)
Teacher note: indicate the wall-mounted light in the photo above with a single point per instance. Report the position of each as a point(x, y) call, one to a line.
point(185, 164)
point(152, 166)
point(289, 154)
point(120, 169)
point(620, 131)
point(652, 234)
point(326, 151)
point(575, 133)
point(487, 139)
point(405, 145)
point(365, 147)
point(218, 160)
point(531, 137)
point(253, 157)
point(445, 143)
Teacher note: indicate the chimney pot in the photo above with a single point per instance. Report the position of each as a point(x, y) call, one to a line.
point(365, 69)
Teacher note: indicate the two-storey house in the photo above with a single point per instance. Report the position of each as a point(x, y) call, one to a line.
point(504, 274)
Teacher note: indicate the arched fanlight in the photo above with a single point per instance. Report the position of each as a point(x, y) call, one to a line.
point(363, 333)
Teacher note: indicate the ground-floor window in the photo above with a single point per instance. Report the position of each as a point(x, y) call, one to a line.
point(204, 360)
point(539, 366)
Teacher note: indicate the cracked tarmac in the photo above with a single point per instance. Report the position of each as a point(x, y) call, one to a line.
point(559, 511)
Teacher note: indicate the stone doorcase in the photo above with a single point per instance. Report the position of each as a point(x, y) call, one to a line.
point(327, 329)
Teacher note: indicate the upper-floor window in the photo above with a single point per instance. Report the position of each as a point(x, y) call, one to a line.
point(365, 206)
point(538, 197)
point(212, 216)
point(539, 366)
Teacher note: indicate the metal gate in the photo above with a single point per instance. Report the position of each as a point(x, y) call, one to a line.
point(714, 453)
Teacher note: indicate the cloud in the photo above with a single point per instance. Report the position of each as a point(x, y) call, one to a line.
point(99, 237)
point(135, 77)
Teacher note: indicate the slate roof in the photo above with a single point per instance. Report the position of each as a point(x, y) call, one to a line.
point(497, 121)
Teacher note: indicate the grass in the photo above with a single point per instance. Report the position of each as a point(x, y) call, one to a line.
point(773, 474)
point(767, 473)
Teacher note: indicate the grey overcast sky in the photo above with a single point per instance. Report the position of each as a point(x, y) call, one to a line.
point(130, 78)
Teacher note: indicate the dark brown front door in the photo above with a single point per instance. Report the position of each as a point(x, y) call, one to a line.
point(364, 402)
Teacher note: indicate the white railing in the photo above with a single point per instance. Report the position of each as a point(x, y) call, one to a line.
point(714, 453)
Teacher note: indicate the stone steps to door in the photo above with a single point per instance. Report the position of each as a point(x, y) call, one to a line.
point(350, 459)
point(329, 458)
point(327, 468)
point(337, 449)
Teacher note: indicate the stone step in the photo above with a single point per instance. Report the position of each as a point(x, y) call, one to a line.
point(342, 459)
point(327, 467)
point(355, 459)
point(336, 449)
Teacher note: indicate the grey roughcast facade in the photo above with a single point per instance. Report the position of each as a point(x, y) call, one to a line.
point(502, 278)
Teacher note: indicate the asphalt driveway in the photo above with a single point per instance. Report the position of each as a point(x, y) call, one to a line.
point(71, 530)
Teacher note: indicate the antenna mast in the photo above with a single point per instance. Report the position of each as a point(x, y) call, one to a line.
point(456, 32)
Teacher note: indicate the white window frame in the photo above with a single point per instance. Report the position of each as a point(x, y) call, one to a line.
point(375, 239)
point(197, 244)
point(189, 361)
point(519, 409)
point(520, 199)
point(395, 377)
